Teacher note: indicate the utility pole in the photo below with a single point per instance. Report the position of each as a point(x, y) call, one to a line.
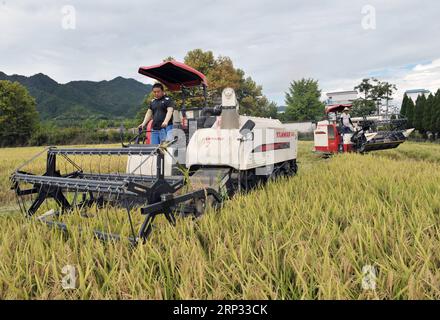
point(386, 112)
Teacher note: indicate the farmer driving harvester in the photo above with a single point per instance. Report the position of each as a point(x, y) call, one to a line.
point(161, 111)
point(346, 123)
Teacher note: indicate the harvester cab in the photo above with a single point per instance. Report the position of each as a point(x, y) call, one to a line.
point(330, 137)
point(213, 154)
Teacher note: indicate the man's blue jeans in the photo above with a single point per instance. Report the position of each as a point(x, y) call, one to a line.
point(346, 130)
point(158, 136)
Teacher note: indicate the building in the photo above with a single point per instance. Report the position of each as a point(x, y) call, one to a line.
point(415, 93)
point(302, 127)
point(282, 109)
point(341, 97)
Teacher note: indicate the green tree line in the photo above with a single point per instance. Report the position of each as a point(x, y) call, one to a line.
point(424, 114)
point(20, 122)
point(303, 99)
point(220, 73)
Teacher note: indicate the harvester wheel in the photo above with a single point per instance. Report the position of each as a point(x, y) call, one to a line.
point(293, 168)
point(277, 172)
point(199, 205)
point(202, 204)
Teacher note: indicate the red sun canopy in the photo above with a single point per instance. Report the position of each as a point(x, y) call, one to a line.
point(174, 75)
point(337, 107)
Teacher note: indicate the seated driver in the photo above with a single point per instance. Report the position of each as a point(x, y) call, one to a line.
point(347, 124)
point(161, 111)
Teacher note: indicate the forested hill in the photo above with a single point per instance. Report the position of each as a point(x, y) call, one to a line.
point(80, 100)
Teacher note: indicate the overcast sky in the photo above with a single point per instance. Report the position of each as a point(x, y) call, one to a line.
point(274, 42)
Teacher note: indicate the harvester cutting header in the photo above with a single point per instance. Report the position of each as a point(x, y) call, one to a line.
point(209, 157)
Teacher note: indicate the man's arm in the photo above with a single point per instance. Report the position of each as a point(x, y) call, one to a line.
point(168, 116)
point(147, 118)
point(170, 108)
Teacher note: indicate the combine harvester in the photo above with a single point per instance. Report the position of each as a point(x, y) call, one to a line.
point(214, 154)
point(330, 139)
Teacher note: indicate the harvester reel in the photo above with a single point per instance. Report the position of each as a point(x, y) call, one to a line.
point(154, 194)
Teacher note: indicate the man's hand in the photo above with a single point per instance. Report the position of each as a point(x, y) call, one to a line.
point(184, 122)
point(164, 125)
point(141, 126)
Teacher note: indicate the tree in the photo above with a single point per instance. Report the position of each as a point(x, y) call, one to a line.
point(428, 121)
point(377, 93)
point(271, 111)
point(437, 111)
point(418, 113)
point(404, 107)
point(387, 90)
point(18, 116)
point(221, 73)
point(374, 92)
point(407, 110)
point(410, 109)
point(200, 60)
point(303, 101)
point(362, 107)
point(252, 100)
point(365, 87)
point(169, 58)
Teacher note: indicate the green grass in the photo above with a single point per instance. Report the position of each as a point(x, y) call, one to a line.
point(307, 237)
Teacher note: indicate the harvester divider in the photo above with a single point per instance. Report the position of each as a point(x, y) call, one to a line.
point(100, 235)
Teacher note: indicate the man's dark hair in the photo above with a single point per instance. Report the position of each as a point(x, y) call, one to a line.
point(159, 85)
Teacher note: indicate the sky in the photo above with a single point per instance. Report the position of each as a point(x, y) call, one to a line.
point(275, 42)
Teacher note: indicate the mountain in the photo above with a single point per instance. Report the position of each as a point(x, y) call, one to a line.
point(80, 100)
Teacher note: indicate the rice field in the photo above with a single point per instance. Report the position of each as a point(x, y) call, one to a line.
point(349, 227)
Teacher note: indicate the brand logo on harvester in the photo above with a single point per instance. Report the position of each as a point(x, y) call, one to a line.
point(285, 134)
point(207, 140)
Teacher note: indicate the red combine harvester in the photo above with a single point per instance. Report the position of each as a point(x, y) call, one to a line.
point(329, 136)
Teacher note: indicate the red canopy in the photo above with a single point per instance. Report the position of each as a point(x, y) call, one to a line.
point(174, 75)
point(336, 107)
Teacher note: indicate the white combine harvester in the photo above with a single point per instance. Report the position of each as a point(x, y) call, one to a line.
point(233, 148)
point(220, 151)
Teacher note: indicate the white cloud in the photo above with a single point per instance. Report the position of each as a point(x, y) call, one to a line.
point(422, 76)
point(274, 42)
